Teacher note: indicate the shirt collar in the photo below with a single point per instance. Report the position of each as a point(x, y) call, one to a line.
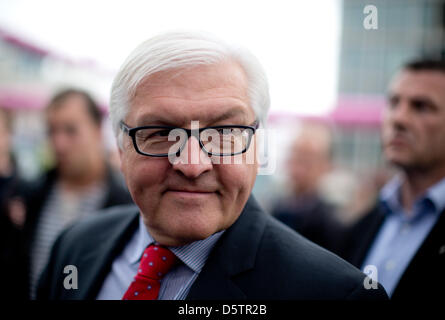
point(194, 254)
point(437, 195)
point(390, 195)
point(143, 241)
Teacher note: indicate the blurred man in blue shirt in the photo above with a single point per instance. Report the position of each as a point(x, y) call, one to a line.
point(402, 240)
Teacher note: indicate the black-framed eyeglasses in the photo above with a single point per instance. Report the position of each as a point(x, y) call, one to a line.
point(162, 141)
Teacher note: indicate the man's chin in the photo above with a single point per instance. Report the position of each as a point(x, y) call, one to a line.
point(183, 238)
point(405, 164)
point(182, 226)
point(398, 158)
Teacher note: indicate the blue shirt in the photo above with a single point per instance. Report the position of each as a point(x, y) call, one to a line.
point(401, 235)
point(175, 285)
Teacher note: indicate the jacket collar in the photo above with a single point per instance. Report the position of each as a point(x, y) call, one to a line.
point(234, 253)
point(99, 259)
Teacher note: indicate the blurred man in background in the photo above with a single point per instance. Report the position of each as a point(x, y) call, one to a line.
point(304, 209)
point(402, 241)
point(12, 216)
point(81, 183)
point(11, 186)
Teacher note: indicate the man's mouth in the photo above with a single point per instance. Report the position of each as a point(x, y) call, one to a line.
point(399, 138)
point(191, 195)
point(190, 192)
point(398, 141)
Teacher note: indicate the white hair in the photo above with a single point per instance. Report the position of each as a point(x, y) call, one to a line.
point(177, 50)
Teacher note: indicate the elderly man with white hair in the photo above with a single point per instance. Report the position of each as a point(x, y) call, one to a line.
point(186, 108)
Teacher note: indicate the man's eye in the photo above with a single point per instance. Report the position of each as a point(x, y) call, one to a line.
point(160, 133)
point(393, 101)
point(224, 131)
point(228, 131)
point(71, 130)
point(420, 106)
point(152, 134)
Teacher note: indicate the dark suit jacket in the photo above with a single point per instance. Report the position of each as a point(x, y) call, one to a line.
point(11, 240)
point(313, 218)
point(116, 194)
point(256, 258)
point(424, 276)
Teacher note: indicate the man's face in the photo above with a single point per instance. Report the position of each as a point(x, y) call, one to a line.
point(413, 128)
point(73, 135)
point(308, 162)
point(185, 202)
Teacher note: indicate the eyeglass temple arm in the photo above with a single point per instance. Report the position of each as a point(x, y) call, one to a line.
point(124, 127)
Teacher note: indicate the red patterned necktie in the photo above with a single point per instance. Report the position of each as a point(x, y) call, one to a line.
point(155, 263)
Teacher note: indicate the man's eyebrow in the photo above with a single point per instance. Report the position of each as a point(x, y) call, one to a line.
point(390, 96)
point(421, 98)
point(424, 100)
point(149, 120)
point(230, 114)
point(161, 119)
point(417, 97)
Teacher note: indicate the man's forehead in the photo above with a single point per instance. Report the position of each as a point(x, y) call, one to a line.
point(199, 76)
point(168, 116)
point(71, 104)
point(419, 83)
point(204, 93)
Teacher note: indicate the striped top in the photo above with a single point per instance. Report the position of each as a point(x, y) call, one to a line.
point(61, 209)
point(175, 285)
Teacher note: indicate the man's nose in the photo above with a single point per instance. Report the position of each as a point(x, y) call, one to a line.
point(399, 115)
point(59, 141)
point(192, 161)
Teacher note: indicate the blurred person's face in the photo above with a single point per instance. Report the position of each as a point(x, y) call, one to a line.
point(413, 131)
point(307, 163)
point(185, 202)
point(75, 138)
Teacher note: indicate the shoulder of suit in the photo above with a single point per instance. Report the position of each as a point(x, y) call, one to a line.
point(288, 245)
point(294, 252)
point(103, 222)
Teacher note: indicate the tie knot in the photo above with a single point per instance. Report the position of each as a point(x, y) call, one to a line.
point(156, 262)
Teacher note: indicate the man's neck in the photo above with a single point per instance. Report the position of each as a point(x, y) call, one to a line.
point(92, 175)
point(416, 183)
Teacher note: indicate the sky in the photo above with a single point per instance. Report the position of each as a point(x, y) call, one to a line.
point(296, 41)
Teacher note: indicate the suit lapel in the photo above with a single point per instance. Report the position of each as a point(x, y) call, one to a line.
point(95, 265)
point(364, 236)
point(234, 253)
point(214, 283)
